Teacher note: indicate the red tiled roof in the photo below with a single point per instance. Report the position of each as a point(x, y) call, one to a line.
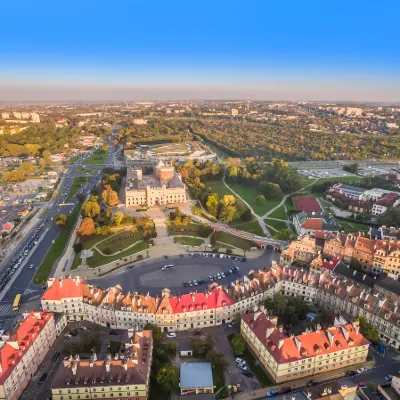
point(331, 264)
point(286, 349)
point(199, 301)
point(306, 203)
point(364, 244)
point(65, 289)
point(313, 223)
point(24, 336)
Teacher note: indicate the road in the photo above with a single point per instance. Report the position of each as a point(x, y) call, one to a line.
point(23, 283)
point(147, 276)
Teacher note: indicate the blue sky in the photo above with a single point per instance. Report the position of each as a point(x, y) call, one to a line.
point(308, 49)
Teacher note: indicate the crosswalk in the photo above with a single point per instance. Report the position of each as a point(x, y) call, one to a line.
point(30, 291)
point(5, 309)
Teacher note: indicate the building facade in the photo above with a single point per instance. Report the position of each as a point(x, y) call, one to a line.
point(165, 187)
point(23, 351)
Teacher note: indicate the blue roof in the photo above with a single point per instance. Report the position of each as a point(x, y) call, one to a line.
point(196, 375)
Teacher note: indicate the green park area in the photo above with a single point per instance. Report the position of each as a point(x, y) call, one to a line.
point(249, 194)
point(77, 183)
point(224, 239)
point(98, 157)
point(251, 227)
point(189, 241)
point(349, 226)
point(57, 248)
point(277, 225)
point(279, 213)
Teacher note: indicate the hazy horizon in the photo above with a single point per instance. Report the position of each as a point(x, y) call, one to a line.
point(134, 50)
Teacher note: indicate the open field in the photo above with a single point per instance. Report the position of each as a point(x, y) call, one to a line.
point(76, 185)
point(57, 248)
point(278, 225)
point(250, 194)
point(233, 241)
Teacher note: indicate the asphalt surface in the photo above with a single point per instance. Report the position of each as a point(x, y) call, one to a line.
point(147, 276)
point(23, 283)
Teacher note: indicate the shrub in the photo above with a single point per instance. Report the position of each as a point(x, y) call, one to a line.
point(228, 251)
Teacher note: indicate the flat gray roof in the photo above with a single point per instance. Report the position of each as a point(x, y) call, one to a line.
point(196, 375)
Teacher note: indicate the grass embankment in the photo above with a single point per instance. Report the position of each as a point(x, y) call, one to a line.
point(251, 227)
point(186, 230)
point(76, 185)
point(57, 248)
point(279, 213)
point(222, 237)
point(189, 241)
point(348, 226)
point(119, 242)
point(98, 157)
point(278, 225)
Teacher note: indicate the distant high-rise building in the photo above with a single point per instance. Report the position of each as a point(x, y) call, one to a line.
point(25, 115)
point(234, 112)
point(35, 117)
point(17, 115)
point(354, 112)
point(5, 115)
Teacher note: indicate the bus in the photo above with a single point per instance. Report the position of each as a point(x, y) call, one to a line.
point(17, 302)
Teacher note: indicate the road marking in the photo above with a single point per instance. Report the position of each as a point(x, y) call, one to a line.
point(5, 309)
point(30, 291)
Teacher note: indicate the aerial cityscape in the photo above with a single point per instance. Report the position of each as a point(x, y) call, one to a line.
point(199, 201)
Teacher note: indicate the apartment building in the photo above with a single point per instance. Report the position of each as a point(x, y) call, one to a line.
point(125, 376)
point(375, 255)
point(23, 351)
point(299, 251)
point(292, 357)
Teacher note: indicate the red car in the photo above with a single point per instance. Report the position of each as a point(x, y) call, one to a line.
point(196, 333)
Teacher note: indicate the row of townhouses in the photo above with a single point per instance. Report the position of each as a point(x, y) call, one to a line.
point(343, 291)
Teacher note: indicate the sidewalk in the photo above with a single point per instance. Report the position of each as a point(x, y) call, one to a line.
point(324, 378)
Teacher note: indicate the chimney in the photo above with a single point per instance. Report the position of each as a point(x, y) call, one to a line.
point(108, 366)
point(298, 343)
point(280, 344)
point(268, 332)
point(74, 367)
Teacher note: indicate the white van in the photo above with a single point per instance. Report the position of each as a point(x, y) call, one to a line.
point(165, 267)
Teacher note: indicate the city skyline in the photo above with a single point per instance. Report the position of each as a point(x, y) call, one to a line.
point(131, 51)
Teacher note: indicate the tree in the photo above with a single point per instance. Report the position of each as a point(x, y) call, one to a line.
point(212, 205)
point(239, 345)
point(46, 155)
point(368, 330)
point(42, 163)
point(260, 199)
point(157, 334)
point(356, 265)
point(110, 197)
point(26, 167)
point(270, 190)
point(353, 168)
point(277, 304)
point(167, 378)
point(91, 209)
point(61, 220)
point(86, 228)
point(118, 217)
point(390, 218)
point(217, 359)
point(285, 234)
point(227, 213)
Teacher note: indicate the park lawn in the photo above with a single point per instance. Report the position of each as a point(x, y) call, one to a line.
point(57, 248)
point(98, 260)
point(233, 241)
point(251, 227)
point(98, 157)
point(120, 244)
point(289, 204)
point(279, 213)
point(190, 225)
point(189, 241)
point(348, 226)
point(278, 225)
point(76, 261)
point(217, 186)
point(77, 183)
point(249, 194)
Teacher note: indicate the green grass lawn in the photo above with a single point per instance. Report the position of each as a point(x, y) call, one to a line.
point(189, 241)
point(76, 261)
point(190, 225)
point(97, 259)
point(251, 227)
point(348, 226)
point(57, 248)
point(278, 225)
point(234, 241)
point(76, 185)
point(217, 186)
point(279, 213)
point(250, 194)
point(199, 212)
point(121, 244)
point(98, 157)
point(345, 179)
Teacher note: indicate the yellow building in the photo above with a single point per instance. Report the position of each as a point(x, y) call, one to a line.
point(121, 377)
point(287, 358)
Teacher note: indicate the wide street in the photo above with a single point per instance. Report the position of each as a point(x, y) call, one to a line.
point(23, 283)
point(147, 276)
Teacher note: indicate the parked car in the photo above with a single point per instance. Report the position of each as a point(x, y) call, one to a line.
point(242, 366)
point(285, 390)
point(68, 336)
point(351, 373)
point(240, 360)
point(197, 333)
point(114, 333)
point(56, 355)
point(361, 370)
point(185, 284)
point(231, 325)
point(272, 392)
point(389, 378)
point(311, 383)
point(42, 379)
point(171, 335)
point(248, 374)
point(361, 384)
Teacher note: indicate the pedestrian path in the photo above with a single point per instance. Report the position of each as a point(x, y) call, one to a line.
point(5, 309)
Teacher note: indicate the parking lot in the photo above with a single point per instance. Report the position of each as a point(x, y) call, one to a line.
point(325, 173)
